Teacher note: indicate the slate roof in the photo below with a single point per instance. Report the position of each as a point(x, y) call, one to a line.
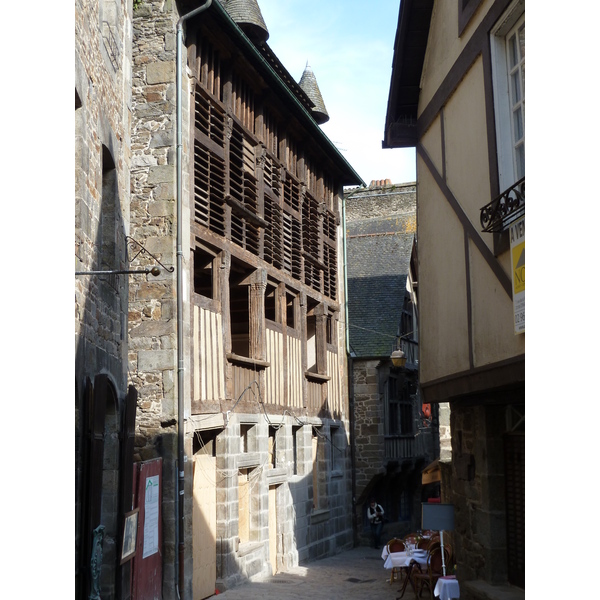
point(246, 13)
point(280, 69)
point(379, 251)
point(308, 82)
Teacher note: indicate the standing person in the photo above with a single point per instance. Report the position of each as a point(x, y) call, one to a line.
point(375, 515)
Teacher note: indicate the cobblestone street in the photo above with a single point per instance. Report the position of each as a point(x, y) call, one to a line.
point(354, 575)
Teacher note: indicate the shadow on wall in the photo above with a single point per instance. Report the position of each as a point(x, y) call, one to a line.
point(268, 518)
point(101, 396)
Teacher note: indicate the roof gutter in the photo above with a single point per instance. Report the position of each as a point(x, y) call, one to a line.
point(179, 506)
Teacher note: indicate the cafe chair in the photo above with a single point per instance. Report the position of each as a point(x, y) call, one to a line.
point(423, 544)
point(395, 545)
point(433, 571)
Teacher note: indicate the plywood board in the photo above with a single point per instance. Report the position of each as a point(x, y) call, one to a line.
point(204, 524)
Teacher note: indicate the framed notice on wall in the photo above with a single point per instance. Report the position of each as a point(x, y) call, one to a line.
point(130, 535)
point(517, 259)
point(151, 520)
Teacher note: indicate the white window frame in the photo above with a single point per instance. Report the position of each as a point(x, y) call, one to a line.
point(512, 18)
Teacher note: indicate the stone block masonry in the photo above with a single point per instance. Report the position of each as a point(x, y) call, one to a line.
point(153, 326)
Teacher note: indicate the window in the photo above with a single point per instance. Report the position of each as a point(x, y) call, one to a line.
point(203, 273)
point(329, 325)
point(296, 441)
point(239, 307)
point(291, 301)
point(272, 447)
point(337, 448)
point(319, 471)
point(508, 70)
point(311, 337)
point(399, 408)
point(247, 438)
point(271, 303)
point(515, 52)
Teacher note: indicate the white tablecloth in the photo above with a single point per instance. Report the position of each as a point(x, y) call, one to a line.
point(402, 559)
point(446, 589)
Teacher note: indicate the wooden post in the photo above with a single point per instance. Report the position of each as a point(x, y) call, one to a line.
point(258, 286)
point(320, 313)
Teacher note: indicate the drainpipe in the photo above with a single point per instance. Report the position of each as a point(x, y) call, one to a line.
point(179, 506)
point(350, 378)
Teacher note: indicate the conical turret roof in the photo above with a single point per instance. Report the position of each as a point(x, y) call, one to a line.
point(246, 13)
point(308, 83)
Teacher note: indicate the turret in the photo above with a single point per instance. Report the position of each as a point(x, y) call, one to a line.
point(308, 83)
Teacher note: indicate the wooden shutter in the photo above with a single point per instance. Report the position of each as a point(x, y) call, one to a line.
point(273, 250)
point(209, 164)
point(244, 192)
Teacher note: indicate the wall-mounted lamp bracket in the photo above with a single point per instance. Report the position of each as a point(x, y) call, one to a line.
point(133, 246)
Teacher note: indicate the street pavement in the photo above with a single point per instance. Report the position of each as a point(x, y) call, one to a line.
point(357, 574)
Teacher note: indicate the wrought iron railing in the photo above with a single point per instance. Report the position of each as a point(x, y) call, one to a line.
point(505, 209)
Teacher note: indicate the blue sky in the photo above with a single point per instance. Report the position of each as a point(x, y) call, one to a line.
point(349, 46)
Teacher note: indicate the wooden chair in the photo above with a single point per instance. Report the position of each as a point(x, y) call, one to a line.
point(395, 545)
point(433, 571)
point(423, 544)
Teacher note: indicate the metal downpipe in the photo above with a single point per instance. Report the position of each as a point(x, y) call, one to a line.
point(350, 378)
point(179, 506)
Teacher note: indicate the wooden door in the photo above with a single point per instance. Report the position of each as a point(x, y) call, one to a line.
point(204, 525)
point(148, 559)
point(273, 528)
point(514, 452)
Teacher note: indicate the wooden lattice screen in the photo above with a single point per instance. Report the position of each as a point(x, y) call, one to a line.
point(243, 189)
point(256, 185)
point(209, 164)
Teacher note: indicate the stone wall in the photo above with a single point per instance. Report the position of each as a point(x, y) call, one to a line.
point(368, 423)
point(102, 153)
point(153, 308)
point(477, 492)
point(307, 528)
point(368, 431)
point(380, 201)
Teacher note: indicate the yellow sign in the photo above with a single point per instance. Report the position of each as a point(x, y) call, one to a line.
point(517, 258)
point(518, 261)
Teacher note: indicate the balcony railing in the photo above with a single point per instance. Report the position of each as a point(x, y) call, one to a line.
point(505, 209)
point(403, 447)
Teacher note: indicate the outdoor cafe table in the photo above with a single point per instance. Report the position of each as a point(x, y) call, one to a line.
point(447, 588)
point(404, 561)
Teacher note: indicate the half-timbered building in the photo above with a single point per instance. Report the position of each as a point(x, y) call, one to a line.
point(457, 95)
point(251, 403)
